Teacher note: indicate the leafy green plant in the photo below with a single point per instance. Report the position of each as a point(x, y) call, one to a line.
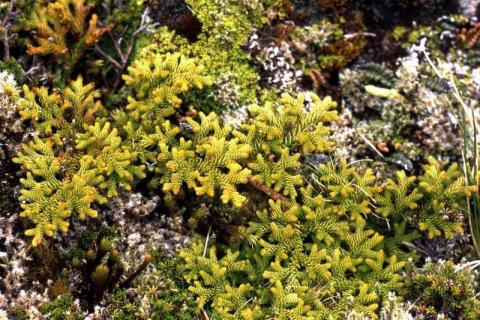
point(437, 202)
point(62, 308)
point(314, 247)
point(225, 28)
point(443, 288)
point(71, 160)
point(64, 29)
point(317, 257)
point(469, 129)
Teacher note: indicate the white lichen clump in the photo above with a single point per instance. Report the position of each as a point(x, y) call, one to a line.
point(9, 120)
point(9, 95)
point(13, 265)
point(469, 7)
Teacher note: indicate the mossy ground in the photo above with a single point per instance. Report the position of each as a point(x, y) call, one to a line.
point(266, 199)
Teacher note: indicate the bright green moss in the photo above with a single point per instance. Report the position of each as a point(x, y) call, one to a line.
point(62, 308)
point(121, 307)
point(226, 27)
point(314, 246)
point(13, 67)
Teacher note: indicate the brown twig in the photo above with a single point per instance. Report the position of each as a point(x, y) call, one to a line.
point(203, 315)
point(146, 261)
point(106, 56)
point(6, 25)
point(268, 191)
point(121, 63)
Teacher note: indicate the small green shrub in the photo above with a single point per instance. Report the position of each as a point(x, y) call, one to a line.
point(62, 308)
point(443, 288)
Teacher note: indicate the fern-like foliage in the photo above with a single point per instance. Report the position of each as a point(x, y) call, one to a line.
point(437, 203)
point(72, 160)
point(308, 253)
point(48, 200)
point(205, 160)
point(199, 152)
point(400, 196)
point(278, 174)
point(445, 194)
point(277, 135)
point(329, 251)
point(59, 116)
point(102, 147)
point(350, 189)
point(313, 249)
point(56, 23)
point(290, 125)
point(311, 254)
point(156, 83)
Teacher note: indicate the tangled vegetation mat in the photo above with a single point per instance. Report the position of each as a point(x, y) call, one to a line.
point(239, 159)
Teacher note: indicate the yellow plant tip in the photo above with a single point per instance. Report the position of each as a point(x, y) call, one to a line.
point(381, 92)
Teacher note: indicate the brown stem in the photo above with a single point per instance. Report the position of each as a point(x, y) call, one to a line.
point(6, 45)
point(268, 191)
point(124, 57)
point(115, 63)
point(6, 31)
point(146, 261)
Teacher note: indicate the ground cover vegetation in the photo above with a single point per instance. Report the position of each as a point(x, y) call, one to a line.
point(239, 159)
